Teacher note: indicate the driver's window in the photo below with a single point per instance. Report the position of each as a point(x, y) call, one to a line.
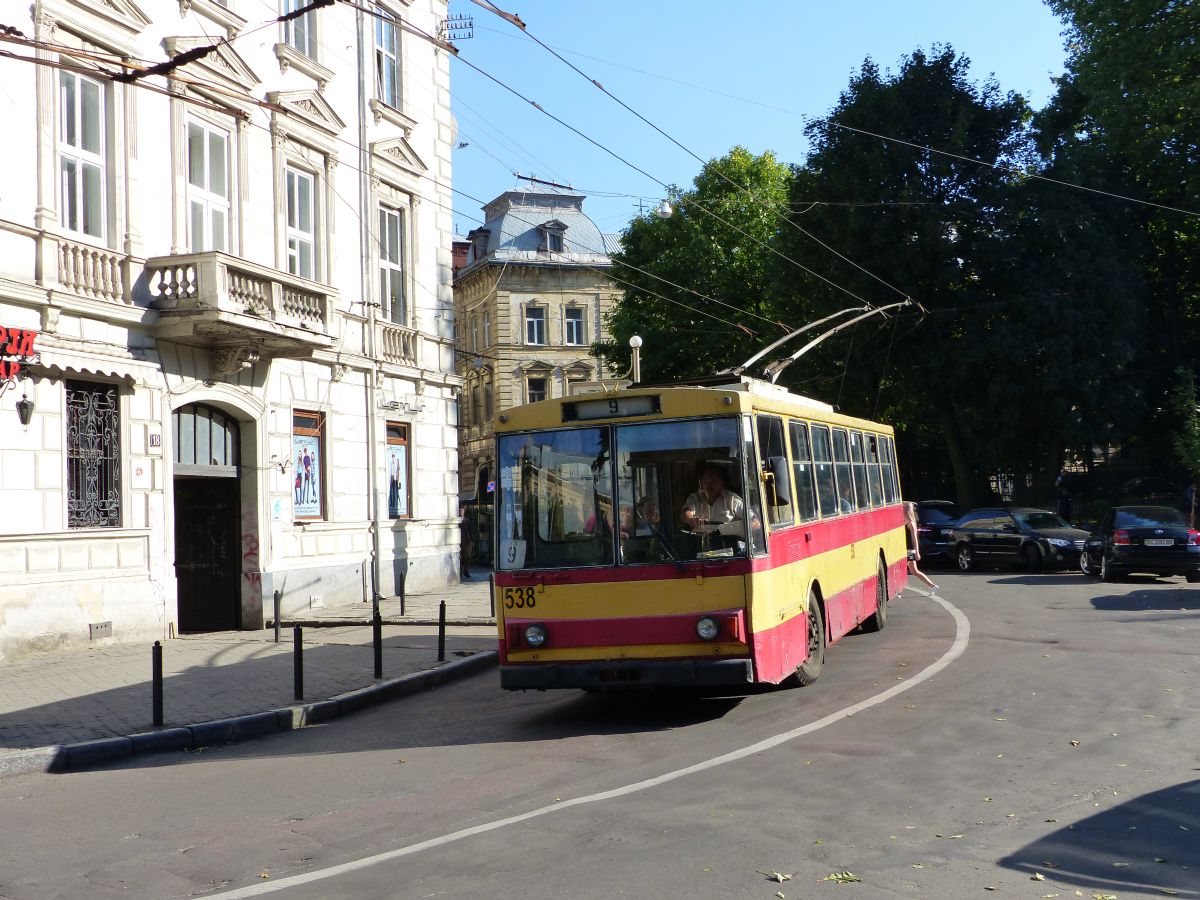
point(772, 452)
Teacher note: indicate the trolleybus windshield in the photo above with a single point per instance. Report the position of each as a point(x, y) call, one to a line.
point(629, 494)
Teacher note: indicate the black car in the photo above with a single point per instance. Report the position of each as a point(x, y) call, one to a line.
point(1031, 537)
point(1151, 539)
point(935, 518)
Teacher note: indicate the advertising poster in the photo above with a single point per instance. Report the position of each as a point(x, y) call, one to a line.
point(397, 468)
point(306, 451)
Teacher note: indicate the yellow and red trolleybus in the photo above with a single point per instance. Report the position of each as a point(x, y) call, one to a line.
point(710, 534)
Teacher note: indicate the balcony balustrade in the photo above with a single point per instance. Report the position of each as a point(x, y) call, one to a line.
point(213, 298)
point(396, 344)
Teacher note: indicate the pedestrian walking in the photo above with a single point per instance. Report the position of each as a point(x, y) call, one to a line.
point(914, 545)
point(468, 538)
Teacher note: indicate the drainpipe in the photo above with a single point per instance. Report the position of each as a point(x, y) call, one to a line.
point(364, 201)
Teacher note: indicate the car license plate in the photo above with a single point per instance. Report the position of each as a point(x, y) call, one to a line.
point(1159, 542)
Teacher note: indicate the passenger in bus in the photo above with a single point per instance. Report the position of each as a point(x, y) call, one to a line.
point(713, 508)
point(646, 518)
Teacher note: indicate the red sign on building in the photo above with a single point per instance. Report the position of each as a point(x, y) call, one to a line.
point(16, 346)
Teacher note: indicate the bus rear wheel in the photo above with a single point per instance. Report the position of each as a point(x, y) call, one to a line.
point(810, 670)
point(878, 619)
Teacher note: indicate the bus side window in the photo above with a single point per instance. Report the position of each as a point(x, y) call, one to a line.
point(823, 465)
point(777, 491)
point(891, 486)
point(804, 486)
point(841, 468)
point(873, 475)
point(858, 459)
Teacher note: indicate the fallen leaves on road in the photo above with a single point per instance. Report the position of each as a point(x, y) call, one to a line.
point(842, 877)
point(1038, 876)
point(264, 874)
point(777, 877)
point(1074, 743)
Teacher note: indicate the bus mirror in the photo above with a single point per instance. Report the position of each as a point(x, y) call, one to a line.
point(778, 484)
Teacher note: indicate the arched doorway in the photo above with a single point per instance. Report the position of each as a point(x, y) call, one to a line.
point(207, 518)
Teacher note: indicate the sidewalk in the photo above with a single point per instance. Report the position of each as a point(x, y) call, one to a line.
point(70, 709)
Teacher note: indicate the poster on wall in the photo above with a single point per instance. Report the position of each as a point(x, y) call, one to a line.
point(397, 468)
point(306, 450)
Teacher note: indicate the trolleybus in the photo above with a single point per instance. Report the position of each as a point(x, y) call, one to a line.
point(717, 533)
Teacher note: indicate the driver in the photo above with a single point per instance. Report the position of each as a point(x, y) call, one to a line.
point(713, 507)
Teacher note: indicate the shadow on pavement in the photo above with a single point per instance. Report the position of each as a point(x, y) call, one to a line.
point(1164, 599)
point(206, 681)
point(1056, 578)
point(1147, 844)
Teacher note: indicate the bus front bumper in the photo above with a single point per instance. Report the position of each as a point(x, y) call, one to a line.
point(627, 674)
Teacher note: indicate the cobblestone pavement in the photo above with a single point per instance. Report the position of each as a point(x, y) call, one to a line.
point(105, 691)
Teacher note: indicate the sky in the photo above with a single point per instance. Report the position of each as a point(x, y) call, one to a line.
point(709, 73)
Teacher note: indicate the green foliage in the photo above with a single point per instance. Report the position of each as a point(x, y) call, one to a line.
point(1187, 419)
point(715, 247)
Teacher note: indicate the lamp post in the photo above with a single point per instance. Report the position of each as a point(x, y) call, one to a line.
point(635, 345)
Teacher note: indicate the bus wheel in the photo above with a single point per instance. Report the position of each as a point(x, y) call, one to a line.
point(879, 618)
point(810, 670)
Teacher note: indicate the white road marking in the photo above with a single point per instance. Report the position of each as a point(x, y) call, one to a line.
point(957, 648)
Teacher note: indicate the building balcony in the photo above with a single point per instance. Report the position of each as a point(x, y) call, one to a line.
point(396, 344)
point(213, 299)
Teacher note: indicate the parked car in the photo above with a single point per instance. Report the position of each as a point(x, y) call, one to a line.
point(935, 518)
point(1031, 537)
point(1151, 539)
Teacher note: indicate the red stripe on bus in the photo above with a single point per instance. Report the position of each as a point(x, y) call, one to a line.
point(565, 634)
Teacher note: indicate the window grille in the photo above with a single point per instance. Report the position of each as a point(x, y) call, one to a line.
point(93, 455)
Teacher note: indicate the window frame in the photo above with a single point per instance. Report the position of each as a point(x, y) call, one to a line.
point(73, 204)
point(203, 195)
point(292, 232)
point(392, 271)
point(569, 313)
point(303, 436)
point(388, 57)
point(799, 461)
point(302, 30)
point(775, 439)
point(529, 380)
point(403, 492)
point(538, 320)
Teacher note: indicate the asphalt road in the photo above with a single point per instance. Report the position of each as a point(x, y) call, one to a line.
point(1034, 736)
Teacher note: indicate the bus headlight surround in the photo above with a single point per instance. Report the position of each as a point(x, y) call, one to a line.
point(707, 628)
point(535, 635)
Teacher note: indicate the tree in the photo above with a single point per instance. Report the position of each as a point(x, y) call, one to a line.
point(1126, 119)
point(696, 283)
point(1019, 283)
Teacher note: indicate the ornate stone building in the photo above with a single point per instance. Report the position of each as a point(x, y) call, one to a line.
point(528, 304)
point(238, 270)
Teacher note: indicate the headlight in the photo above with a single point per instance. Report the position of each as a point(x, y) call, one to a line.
point(707, 628)
point(535, 635)
point(1061, 542)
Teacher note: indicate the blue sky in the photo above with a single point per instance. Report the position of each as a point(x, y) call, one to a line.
point(710, 74)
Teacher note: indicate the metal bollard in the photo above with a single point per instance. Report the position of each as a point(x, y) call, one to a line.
point(403, 576)
point(278, 602)
point(442, 631)
point(156, 683)
point(377, 640)
point(298, 662)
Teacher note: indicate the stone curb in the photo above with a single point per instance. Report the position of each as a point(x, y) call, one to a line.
point(386, 620)
point(65, 757)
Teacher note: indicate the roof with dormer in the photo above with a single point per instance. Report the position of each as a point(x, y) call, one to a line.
point(517, 222)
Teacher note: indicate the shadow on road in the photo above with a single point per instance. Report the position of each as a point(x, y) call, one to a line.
point(1167, 598)
point(1056, 578)
point(1146, 844)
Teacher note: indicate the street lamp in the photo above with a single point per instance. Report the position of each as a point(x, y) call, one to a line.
point(25, 411)
point(635, 344)
point(664, 210)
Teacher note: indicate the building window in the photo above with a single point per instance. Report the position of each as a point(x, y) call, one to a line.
point(391, 265)
point(81, 154)
point(488, 409)
point(387, 62)
point(476, 403)
point(301, 223)
point(397, 466)
point(535, 325)
point(93, 455)
point(208, 187)
point(535, 389)
point(576, 383)
point(573, 319)
point(308, 449)
point(552, 236)
point(475, 333)
point(300, 32)
point(487, 329)
point(203, 436)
